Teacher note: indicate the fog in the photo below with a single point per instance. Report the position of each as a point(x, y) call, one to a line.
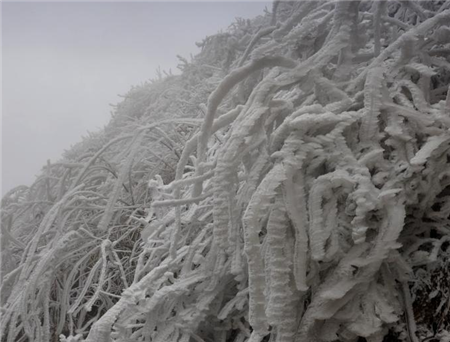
point(65, 63)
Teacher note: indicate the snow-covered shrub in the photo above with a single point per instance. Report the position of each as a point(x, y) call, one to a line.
point(308, 197)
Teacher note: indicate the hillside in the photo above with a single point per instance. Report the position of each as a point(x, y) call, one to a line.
point(292, 184)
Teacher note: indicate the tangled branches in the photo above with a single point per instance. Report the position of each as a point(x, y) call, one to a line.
point(302, 206)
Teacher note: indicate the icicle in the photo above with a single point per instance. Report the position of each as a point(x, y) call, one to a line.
point(217, 96)
point(280, 294)
point(88, 283)
point(252, 226)
point(295, 201)
point(372, 104)
point(380, 9)
point(109, 210)
point(432, 144)
point(105, 244)
point(418, 97)
point(319, 191)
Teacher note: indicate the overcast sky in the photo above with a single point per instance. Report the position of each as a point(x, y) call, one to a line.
point(64, 63)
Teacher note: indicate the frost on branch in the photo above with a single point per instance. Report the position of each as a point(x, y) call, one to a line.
point(292, 184)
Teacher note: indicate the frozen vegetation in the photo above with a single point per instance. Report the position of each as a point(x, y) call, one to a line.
point(291, 185)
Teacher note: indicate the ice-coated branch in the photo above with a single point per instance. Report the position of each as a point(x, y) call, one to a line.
point(302, 206)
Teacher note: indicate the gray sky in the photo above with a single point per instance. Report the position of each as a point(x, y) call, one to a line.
point(64, 63)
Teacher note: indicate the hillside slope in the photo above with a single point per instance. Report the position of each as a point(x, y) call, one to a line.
point(292, 184)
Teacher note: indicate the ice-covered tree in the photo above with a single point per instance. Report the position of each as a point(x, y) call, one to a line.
point(291, 185)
